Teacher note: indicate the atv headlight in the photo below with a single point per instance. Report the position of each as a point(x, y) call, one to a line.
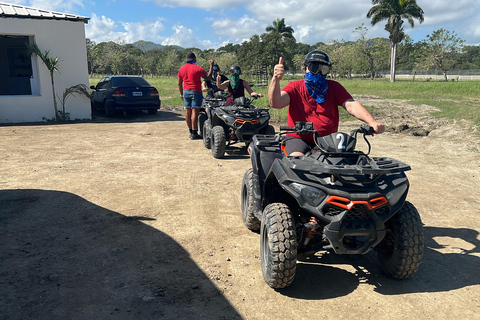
point(264, 119)
point(228, 119)
point(394, 196)
point(311, 195)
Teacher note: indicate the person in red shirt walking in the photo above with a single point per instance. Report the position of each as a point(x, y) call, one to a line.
point(314, 99)
point(190, 86)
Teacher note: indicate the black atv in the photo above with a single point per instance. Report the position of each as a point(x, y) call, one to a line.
point(214, 100)
point(334, 198)
point(231, 123)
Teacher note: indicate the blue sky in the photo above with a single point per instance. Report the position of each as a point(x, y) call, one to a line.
point(213, 23)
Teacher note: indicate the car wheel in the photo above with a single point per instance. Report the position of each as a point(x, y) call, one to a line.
point(401, 250)
point(248, 201)
point(218, 142)
point(109, 109)
point(206, 134)
point(278, 246)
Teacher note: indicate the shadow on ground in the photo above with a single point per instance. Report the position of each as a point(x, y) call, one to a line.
point(139, 116)
point(317, 277)
point(63, 257)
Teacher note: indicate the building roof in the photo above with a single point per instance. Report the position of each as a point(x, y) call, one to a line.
point(10, 10)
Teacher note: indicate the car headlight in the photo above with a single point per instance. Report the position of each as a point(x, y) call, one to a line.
point(394, 196)
point(311, 195)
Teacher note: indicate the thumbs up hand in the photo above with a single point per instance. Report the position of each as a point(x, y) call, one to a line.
point(278, 70)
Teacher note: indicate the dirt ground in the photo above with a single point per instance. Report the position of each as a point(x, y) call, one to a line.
point(126, 218)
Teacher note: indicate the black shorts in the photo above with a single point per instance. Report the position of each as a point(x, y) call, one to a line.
point(294, 144)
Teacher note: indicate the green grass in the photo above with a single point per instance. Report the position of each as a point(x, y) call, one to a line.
point(455, 100)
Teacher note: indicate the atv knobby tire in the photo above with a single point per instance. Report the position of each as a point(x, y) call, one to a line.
point(278, 246)
point(249, 203)
point(218, 142)
point(401, 251)
point(206, 135)
point(202, 117)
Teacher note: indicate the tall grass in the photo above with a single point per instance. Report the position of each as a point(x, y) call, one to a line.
point(455, 100)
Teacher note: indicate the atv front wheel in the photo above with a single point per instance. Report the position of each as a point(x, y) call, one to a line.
point(249, 203)
point(202, 117)
point(278, 246)
point(270, 130)
point(206, 132)
point(218, 142)
point(401, 251)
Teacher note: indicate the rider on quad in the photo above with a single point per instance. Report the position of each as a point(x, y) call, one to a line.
point(314, 99)
point(236, 86)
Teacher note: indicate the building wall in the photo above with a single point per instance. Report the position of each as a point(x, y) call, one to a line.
point(66, 40)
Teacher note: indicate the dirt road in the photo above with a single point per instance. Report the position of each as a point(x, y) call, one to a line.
point(126, 218)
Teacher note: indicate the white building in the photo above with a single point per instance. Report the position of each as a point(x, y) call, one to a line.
point(25, 83)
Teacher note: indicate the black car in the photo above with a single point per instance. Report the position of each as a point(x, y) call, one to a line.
point(124, 93)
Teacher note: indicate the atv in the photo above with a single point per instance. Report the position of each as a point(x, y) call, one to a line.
point(227, 124)
point(334, 198)
point(219, 98)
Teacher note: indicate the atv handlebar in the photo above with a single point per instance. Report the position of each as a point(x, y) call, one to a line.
point(307, 127)
point(300, 128)
point(365, 130)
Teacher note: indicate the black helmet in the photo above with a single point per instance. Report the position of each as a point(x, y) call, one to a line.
point(317, 61)
point(234, 69)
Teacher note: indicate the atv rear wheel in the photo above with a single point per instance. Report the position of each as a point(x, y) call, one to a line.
point(206, 134)
point(218, 142)
point(202, 117)
point(401, 251)
point(278, 246)
point(249, 203)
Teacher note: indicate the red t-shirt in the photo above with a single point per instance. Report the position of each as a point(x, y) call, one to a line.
point(304, 108)
point(191, 74)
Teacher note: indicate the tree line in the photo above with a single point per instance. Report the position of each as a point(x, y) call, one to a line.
point(366, 57)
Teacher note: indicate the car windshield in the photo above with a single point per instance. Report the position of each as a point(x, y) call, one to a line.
point(129, 81)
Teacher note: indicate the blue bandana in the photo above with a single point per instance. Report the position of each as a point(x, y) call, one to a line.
point(317, 86)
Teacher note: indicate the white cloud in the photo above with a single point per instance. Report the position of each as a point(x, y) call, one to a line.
point(100, 29)
point(200, 4)
point(57, 5)
point(238, 29)
point(186, 38)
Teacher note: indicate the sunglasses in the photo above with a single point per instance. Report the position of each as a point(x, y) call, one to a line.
point(316, 67)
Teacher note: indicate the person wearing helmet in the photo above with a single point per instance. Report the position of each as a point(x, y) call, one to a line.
point(190, 86)
point(314, 99)
point(210, 86)
point(236, 86)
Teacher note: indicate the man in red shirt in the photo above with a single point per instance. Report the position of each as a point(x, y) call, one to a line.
point(190, 86)
point(314, 99)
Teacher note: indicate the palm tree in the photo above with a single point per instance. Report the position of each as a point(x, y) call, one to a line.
point(278, 26)
point(277, 41)
point(394, 11)
point(52, 65)
point(78, 89)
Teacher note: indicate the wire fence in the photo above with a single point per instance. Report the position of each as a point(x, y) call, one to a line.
point(434, 75)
